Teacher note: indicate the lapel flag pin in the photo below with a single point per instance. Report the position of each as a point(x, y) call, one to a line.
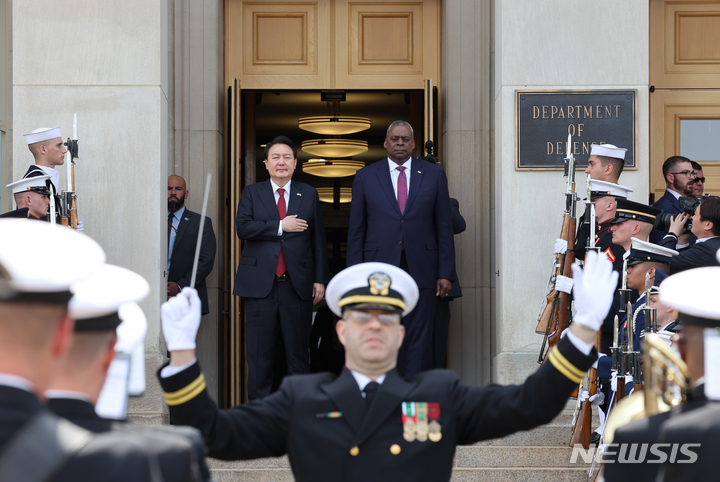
point(419, 172)
point(187, 219)
point(299, 194)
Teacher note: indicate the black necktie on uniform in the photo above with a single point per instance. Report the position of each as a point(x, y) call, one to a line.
point(171, 217)
point(370, 391)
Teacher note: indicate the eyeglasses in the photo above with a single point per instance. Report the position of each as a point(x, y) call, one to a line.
point(384, 318)
point(685, 173)
point(699, 179)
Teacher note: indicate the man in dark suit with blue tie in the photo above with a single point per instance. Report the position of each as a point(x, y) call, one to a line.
point(183, 229)
point(283, 267)
point(400, 215)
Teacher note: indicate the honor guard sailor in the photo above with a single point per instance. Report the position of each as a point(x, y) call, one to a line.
point(693, 293)
point(46, 146)
point(109, 329)
point(605, 164)
point(32, 197)
point(369, 423)
point(35, 333)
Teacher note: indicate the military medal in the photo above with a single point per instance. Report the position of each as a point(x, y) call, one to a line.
point(408, 418)
point(434, 427)
point(422, 423)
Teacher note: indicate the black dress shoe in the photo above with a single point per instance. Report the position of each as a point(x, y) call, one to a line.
point(595, 439)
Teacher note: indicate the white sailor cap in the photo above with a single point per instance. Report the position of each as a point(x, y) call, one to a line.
point(372, 285)
point(42, 134)
point(35, 184)
point(607, 150)
point(642, 251)
point(29, 273)
point(604, 188)
point(693, 293)
point(97, 298)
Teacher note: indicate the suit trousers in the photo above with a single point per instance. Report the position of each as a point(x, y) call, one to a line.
point(416, 352)
point(282, 312)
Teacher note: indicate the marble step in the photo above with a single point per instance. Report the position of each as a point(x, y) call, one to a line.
point(458, 475)
point(546, 436)
point(466, 456)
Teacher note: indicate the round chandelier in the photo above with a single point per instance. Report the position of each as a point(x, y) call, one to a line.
point(332, 167)
point(334, 125)
point(326, 194)
point(329, 148)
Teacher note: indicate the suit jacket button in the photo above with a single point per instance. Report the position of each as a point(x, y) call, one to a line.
point(402, 221)
point(354, 451)
point(395, 449)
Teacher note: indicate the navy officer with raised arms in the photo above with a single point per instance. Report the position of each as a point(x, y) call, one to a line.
point(369, 423)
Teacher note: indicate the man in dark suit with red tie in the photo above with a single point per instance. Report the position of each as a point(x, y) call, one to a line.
point(400, 215)
point(283, 267)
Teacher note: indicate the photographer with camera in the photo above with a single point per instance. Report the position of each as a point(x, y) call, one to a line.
point(705, 225)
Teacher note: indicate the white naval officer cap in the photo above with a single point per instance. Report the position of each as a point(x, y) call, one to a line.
point(607, 150)
point(641, 251)
point(29, 273)
point(604, 188)
point(97, 298)
point(372, 285)
point(106, 301)
point(35, 184)
point(693, 293)
point(42, 134)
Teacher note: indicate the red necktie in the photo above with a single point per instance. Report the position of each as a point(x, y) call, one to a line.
point(402, 189)
point(282, 211)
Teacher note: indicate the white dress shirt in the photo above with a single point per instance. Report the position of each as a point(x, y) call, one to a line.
point(362, 381)
point(394, 173)
point(275, 188)
point(177, 216)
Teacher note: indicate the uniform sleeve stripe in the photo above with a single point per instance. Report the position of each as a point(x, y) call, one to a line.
point(565, 367)
point(188, 393)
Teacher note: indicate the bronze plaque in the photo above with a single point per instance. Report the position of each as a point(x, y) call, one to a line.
point(544, 119)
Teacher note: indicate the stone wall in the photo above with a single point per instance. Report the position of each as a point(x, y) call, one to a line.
point(551, 45)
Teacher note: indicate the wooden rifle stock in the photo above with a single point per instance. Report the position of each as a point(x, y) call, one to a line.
point(549, 314)
point(564, 298)
point(583, 422)
point(620, 394)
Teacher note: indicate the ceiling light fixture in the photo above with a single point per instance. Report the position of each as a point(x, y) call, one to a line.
point(334, 125)
point(332, 167)
point(326, 194)
point(329, 148)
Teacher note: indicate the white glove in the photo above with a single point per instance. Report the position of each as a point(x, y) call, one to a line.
point(80, 228)
point(593, 290)
point(597, 399)
point(560, 246)
point(613, 381)
point(181, 319)
point(564, 284)
point(584, 395)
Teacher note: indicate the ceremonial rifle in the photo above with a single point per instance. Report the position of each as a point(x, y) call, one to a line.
point(68, 199)
point(582, 419)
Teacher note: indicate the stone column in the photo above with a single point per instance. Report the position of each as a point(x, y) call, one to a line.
point(551, 45)
point(106, 61)
point(466, 105)
point(196, 112)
